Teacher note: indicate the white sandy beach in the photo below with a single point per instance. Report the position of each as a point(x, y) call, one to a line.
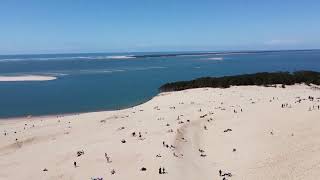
point(246, 132)
point(26, 78)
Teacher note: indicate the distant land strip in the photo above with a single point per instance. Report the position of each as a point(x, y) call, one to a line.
point(216, 53)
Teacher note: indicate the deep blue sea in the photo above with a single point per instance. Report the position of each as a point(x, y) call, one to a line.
point(103, 81)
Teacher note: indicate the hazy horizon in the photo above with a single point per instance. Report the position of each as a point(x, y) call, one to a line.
point(163, 52)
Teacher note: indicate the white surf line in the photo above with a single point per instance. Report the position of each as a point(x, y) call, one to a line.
point(26, 78)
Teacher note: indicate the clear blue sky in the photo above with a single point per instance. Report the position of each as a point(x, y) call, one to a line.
point(53, 26)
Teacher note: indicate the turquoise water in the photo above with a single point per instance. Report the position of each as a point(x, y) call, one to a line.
point(102, 81)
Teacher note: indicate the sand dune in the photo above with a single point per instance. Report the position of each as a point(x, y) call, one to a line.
point(245, 132)
point(26, 78)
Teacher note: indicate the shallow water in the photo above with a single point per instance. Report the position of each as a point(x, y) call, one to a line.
point(102, 81)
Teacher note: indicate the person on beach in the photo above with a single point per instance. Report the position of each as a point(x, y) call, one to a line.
point(140, 136)
point(107, 157)
point(163, 171)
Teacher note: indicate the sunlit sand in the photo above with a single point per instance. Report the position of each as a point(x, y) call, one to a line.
point(236, 133)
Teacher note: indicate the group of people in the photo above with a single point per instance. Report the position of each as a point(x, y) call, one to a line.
point(224, 174)
point(285, 105)
point(162, 171)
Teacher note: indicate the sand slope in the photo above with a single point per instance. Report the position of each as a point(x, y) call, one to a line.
point(264, 141)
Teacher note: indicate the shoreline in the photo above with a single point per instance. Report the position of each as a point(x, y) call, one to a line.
point(15, 118)
point(26, 78)
point(30, 116)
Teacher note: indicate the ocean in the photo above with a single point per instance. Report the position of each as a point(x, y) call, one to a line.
point(106, 81)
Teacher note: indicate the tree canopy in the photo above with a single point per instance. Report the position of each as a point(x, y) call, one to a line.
point(259, 79)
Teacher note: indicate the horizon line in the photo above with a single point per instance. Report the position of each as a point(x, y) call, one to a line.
point(170, 52)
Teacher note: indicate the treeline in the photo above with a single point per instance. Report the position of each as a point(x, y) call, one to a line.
point(260, 79)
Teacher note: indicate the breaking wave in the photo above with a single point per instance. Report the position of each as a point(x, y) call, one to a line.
point(62, 73)
point(65, 58)
point(120, 57)
point(215, 58)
